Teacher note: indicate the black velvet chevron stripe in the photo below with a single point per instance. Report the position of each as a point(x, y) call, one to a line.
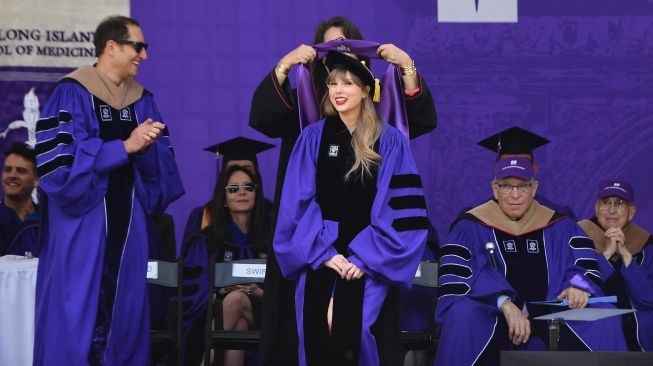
point(53, 122)
point(457, 250)
point(406, 181)
point(588, 263)
point(594, 278)
point(61, 160)
point(453, 289)
point(411, 223)
point(581, 243)
point(455, 270)
point(62, 138)
point(407, 202)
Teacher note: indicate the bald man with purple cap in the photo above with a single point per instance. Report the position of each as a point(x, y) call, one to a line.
point(504, 254)
point(626, 264)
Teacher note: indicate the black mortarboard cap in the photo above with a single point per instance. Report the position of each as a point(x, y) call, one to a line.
point(336, 60)
point(239, 148)
point(514, 140)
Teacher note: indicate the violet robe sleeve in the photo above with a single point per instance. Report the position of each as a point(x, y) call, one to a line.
point(302, 238)
point(391, 247)
point(157, 179)
point(639, 279)
point(468, 289)
point(73, 163)
point(585, 273)
point(466, 270)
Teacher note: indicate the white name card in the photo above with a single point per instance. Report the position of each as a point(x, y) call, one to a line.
point(250, 270)
point(152, 270)
point(418, 274)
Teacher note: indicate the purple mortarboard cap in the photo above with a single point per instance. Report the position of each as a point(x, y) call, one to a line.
point(513, 167)
point(616, 188)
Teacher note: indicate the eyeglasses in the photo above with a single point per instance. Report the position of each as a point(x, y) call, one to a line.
point(235, 187)
point(619, 205)
point(138, 46)
point(507, 188)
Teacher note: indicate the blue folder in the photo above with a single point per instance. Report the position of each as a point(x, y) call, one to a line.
point(564, 302)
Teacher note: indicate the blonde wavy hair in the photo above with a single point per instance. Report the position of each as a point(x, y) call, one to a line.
point(367, 131)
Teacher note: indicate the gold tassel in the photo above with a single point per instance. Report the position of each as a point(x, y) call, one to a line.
point(377, 91)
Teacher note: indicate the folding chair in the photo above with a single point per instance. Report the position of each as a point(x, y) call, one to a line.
point(426, 276)
point(228, 274)
point(169, 274)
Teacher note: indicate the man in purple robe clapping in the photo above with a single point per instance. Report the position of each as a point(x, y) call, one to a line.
point(105, 162)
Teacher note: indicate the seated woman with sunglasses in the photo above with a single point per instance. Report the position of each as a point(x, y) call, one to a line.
point(352, 226)
point(233, 225)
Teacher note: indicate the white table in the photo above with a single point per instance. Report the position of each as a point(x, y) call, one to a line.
point(17, 300)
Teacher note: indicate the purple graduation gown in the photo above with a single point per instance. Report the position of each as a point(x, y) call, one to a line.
point(388, 249)
point(275, 113)
point(469, 287)
point(196, 278)
point(634, 287)
point(638, 282)
point(91, 299)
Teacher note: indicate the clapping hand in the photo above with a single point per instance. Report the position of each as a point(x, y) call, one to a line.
point(143, 136)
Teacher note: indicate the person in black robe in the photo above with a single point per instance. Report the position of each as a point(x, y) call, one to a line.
point(274, 112)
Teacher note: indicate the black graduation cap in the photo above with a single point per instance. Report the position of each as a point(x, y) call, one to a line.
point(514, 140)
point(336, 60)
point(239, 148)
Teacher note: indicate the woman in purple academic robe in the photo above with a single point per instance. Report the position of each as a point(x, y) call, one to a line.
point(234, 225)
point(351, 227)
point(275, 112)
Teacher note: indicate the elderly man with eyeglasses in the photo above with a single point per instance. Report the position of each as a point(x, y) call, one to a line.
point(503, 255)
point(628, 253)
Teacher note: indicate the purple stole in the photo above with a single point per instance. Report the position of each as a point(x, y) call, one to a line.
point(391, 108)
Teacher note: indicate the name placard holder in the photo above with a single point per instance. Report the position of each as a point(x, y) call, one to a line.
point(248, 270)
point(152, 270)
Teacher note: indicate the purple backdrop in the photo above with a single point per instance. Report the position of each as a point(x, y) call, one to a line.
point(576, 72)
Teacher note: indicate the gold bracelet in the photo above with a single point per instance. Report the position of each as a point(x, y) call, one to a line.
point(410, 70)
point(282, 68)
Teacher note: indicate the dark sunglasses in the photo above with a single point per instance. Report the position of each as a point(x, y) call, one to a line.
point(138, 46)
point(235, 187)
